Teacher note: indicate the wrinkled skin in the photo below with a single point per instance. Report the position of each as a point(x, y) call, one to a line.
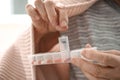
point(111, 60)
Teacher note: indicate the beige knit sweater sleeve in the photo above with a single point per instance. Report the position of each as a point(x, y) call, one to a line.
point(74, 7)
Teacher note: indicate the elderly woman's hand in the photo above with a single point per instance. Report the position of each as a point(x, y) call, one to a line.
point(47, 21)
point(52, 15)
point(47, 17)
point(110, 60)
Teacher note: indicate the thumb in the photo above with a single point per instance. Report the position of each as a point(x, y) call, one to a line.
point(55, 48)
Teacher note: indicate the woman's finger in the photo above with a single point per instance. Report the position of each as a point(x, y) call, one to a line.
point(102, 58)
point(41, 9)
point(51, 12)
point(55, 48)
point(32, 12)
point(95, 70)
point(114, 52)
point(63, 20)
point(37, 21)
point(91, 77)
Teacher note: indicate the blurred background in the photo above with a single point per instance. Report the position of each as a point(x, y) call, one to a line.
point(13, 21)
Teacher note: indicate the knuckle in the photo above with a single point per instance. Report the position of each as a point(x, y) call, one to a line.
point(89, 54)
point(45, 18)
point(98, 72)
point(106, 59)
point(55, 15)
point(43, 15)
point(106, 73)
point(49, 2)
point(53, 18)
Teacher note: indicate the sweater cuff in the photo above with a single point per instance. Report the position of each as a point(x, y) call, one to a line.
point(75, 7)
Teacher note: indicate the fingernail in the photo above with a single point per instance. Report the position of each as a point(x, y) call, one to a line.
point(65, 27)
point(84, 52)
point(87, 46)
point(63, 24)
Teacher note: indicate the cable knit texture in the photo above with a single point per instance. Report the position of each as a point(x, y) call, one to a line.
point(98, 26)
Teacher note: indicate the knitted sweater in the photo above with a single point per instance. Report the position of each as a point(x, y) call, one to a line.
point(99, 26)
